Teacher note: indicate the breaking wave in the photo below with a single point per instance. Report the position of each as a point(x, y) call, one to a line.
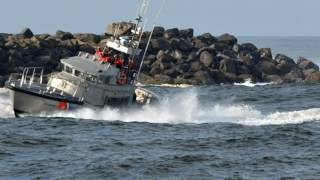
point(183, 108)
point(186, 108)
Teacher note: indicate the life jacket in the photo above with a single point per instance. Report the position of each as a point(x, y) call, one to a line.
point(99, 54)
point(119, 62)
point(105, 59)
point(122, 80)
point(130, 64)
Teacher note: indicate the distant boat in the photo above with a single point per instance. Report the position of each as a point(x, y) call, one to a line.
point(106, 78)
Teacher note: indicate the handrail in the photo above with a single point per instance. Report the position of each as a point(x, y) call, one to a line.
point(25, 75)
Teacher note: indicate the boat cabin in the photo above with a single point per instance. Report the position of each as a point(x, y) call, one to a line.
point(89, 69)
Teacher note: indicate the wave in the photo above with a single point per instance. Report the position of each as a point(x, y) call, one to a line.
point(186, 108)
point(5, 104)
point(249, 83)
point(183, 108)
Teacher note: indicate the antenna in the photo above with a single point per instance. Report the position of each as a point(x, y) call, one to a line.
point(140, 14)
point(148, 43)
point(142, 10)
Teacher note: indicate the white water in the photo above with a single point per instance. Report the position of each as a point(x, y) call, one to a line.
point(5, 104)
point(249, 83)
point(183, 108)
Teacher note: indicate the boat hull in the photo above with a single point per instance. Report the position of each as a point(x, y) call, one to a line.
point(35, 104)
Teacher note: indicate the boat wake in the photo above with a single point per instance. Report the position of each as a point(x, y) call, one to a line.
point(184, 108)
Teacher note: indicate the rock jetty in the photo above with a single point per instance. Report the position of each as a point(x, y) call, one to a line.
point(175, 56)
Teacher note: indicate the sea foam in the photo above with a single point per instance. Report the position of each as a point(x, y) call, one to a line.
point(182, 108)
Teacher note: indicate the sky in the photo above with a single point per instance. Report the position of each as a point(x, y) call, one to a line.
point(238, 17)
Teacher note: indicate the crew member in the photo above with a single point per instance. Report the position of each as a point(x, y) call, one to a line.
point(99, 53)
point(118, 61)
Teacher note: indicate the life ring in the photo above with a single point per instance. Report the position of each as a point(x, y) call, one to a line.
point(63, 105)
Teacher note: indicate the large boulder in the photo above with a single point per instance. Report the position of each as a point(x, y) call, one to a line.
point(158, 31)
point(313, 77)
point(163, 79)
point(172, 72)
point(227, 39)
point(208, 49)
point(159, 43)
point(286, 64)
point(207, 38)
point(155, 68)
point(227, 66)
point(196, 66)
point(171, 33)
point(2, 41)
point(181, 44)
point(164, 57)
point(26, 33)
point(267, 67)
point(241, 68)
point(294, 76)
point(265, 53)
point(220, 47)
point(306, 64)
point(199, 43)
point(230, 53)
point(89, 38)
point(52, 42)
point(177, 54)
point(206, 58)
point(283, 59)
point(285, 68)
point(308, 72)
point(3, 55)
point(144, 78)
point(151, 58)
point(273, 78)
point(87, 48)
point(232, 78)
point(120, 28)
point(203, 77)
point(45, 60)
point(218, 76)
point(64, 35)
point(248, 47)
point(186, 33)
point(185, 67)
point(42, 36)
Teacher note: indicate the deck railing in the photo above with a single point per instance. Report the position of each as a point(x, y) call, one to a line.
point(31, 75)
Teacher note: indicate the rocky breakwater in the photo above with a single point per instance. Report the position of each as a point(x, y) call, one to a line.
point(175, 56)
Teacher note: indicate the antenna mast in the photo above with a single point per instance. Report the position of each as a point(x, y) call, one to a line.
point(150, 37)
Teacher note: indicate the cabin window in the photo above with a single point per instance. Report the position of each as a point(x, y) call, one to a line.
point(77, 73)
point(68, 69)
point(91, 78)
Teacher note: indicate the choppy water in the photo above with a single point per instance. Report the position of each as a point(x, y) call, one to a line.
point(213, 132)
point(246, 131)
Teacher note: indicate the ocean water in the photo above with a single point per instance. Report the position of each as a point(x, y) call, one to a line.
point(241, 131)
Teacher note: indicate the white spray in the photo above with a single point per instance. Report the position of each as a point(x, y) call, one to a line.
point(183, 108)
